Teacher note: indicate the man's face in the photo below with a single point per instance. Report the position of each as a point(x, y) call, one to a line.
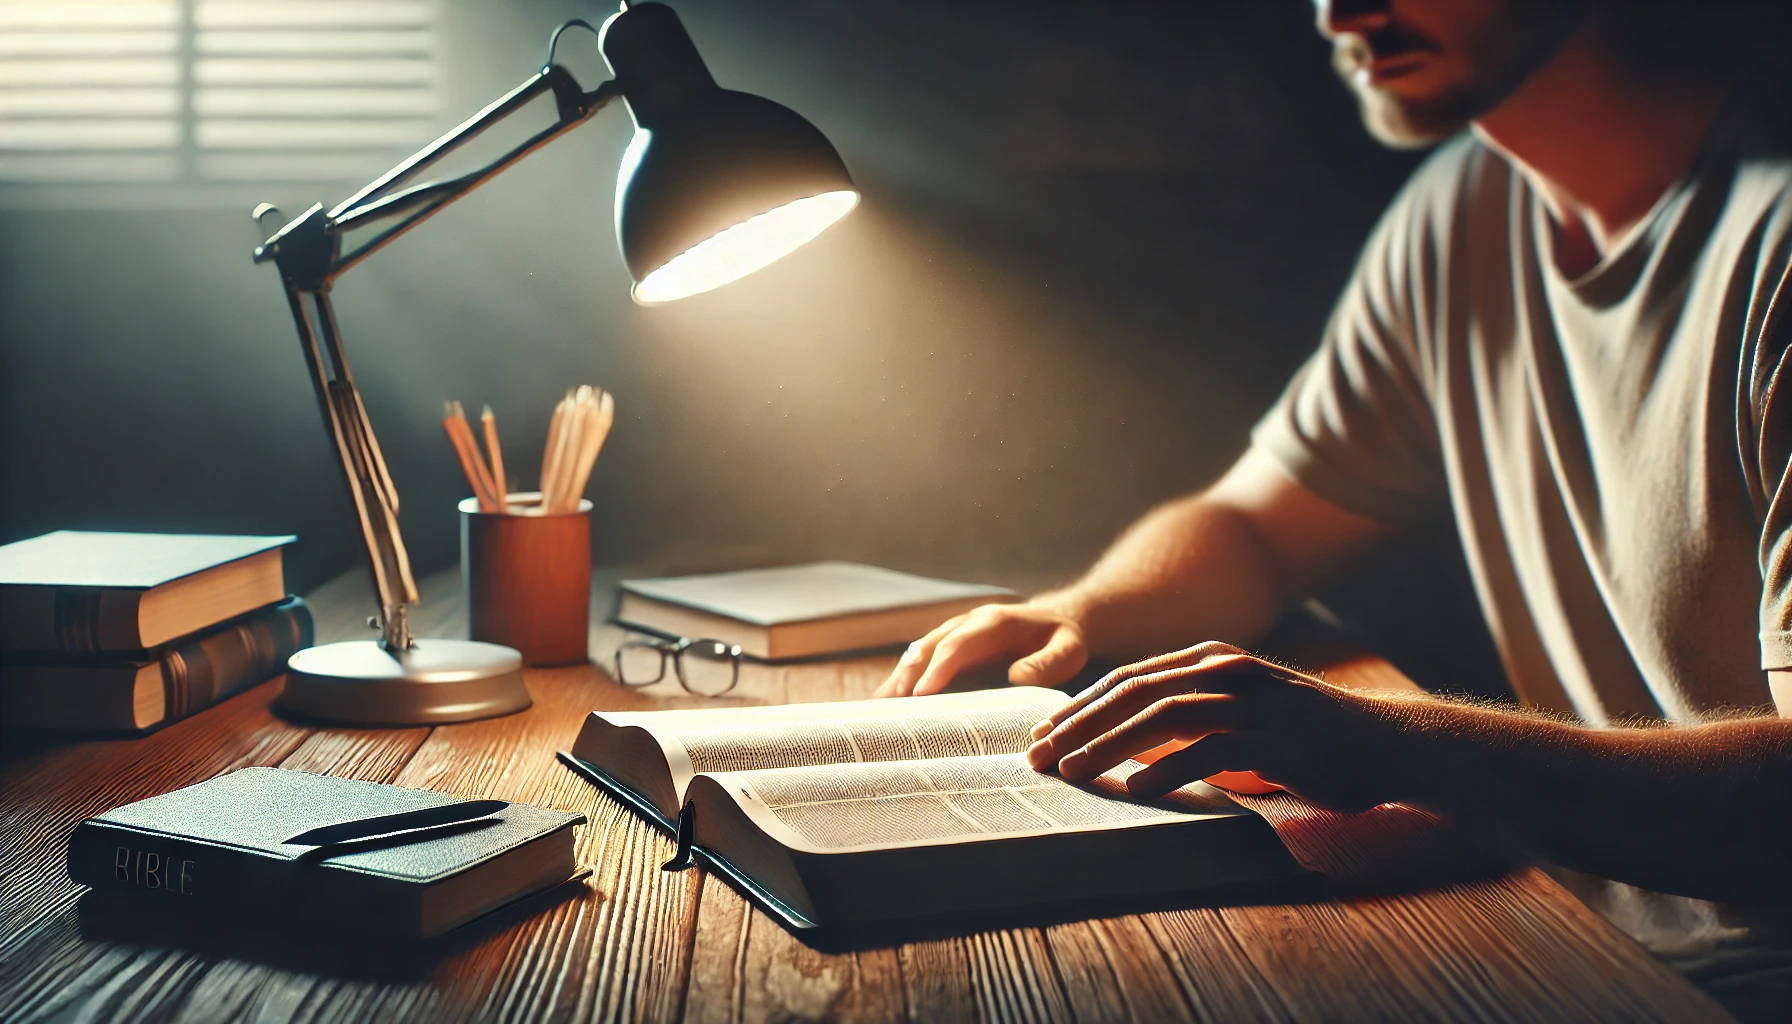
point(1423, 69)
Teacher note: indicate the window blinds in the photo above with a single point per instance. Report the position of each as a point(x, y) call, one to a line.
point(214, 90)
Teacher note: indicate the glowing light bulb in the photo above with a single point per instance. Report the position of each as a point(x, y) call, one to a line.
point(735, 252)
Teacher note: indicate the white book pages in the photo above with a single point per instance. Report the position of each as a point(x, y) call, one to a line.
point(705, 740)
point(838, 806)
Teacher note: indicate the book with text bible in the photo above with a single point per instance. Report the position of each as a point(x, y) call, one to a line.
point(137, 691)
point(846, 815)
point(800, 611)
point(317, 854)
point(78, 592)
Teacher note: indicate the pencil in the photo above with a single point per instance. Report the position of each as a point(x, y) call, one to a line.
point(495, 454)
point(465, 431)
point(576, 434)
point(454, 421)
point(602, 416)
point(551, 452)
point(567, 457)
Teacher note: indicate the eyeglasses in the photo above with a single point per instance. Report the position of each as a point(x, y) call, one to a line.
point(707, 668)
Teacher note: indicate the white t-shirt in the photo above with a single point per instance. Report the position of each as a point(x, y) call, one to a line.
point(1611, 447)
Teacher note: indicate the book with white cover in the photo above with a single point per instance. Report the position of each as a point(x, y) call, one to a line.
point(800, 611)
point(80, 592)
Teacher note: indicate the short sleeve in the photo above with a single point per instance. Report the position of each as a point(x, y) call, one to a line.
point(1771, 404)
point(1356, 425)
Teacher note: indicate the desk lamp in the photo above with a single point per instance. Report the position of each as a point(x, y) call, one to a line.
point(714, 185)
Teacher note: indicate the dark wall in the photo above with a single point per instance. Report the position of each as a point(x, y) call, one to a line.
point(1095, 241)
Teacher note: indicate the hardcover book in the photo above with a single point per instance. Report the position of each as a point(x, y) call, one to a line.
point(323, 855)
point(800, 610)
point(140, 691)
point(80, 592)
point(844, 815)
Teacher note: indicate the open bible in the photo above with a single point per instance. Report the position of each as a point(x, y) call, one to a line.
point(843, 815)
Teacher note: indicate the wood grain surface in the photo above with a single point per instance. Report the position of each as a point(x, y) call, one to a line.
point(1418, 923)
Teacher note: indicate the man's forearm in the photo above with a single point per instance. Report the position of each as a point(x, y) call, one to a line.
point(1697, 810)
point(1189, 570)
point(1222, 564)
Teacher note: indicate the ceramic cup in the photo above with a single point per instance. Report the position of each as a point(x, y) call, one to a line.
point(527, 578)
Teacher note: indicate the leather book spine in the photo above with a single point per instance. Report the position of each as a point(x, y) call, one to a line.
point(203, 670)
point(42, 689)
point(78, 619)
point(75, 621)
point(169, 875)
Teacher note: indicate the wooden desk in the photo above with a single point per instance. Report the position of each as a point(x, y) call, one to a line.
point(639, 943)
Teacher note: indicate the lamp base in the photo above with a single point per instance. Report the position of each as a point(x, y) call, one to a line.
point(360, 682)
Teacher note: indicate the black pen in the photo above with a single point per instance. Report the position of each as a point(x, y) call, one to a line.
point(391, 824)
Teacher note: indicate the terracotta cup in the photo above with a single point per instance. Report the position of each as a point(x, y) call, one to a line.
point(527, 579)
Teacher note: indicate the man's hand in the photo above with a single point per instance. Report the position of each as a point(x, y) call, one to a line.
point(1224, 562)
point(1045, 643)
point(1340, 749)
point(1587, 798)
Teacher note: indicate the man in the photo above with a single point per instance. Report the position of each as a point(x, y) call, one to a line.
point(1570, 328)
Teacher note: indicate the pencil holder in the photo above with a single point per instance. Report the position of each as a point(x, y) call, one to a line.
point(527, 578)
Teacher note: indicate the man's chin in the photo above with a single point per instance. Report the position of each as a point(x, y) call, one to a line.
point(1404, 123)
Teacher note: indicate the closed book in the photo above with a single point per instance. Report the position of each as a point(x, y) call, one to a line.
point(137, 692)
point(80, 592)
point(858, 815)
point(226, 850)
point(800, 611)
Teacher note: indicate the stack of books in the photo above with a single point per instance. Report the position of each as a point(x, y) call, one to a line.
point(127, 632)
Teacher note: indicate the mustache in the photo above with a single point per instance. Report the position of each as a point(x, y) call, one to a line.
point(1353, 50)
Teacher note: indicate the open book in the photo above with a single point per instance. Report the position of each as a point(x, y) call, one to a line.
point(847, 814)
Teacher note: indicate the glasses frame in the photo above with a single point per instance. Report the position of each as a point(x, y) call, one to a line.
point(674, 650)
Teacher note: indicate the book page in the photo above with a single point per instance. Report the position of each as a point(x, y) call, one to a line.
point(975, 724)
point(831, 807)
point(919, 735)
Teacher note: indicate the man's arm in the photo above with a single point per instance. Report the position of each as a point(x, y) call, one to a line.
point(1780, 685)
point(1224, 562)
point(1703, 810)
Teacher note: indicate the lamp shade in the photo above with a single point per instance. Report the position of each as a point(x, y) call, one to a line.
point(715, 183)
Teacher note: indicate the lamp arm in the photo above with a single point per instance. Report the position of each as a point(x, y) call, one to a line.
point(308, 251)
point(425, 200)
point(420, 202)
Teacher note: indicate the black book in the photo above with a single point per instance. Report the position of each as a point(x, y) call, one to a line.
point(140, 691)
point(316, 855)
